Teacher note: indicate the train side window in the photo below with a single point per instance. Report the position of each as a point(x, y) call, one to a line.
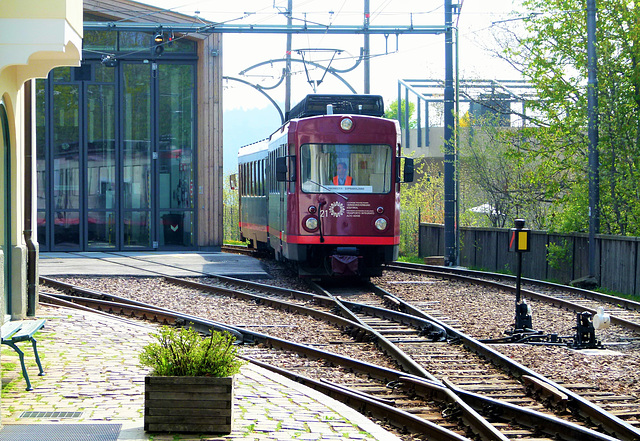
point(263, 177)
point(244, 179)
point(253, 179)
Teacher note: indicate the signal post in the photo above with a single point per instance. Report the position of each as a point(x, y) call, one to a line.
point(519, 243)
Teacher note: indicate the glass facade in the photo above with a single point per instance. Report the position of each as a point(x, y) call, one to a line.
point(5, 203)
point(115, 148)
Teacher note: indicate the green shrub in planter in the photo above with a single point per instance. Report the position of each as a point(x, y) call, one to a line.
point(184, 353)
point(191, 387)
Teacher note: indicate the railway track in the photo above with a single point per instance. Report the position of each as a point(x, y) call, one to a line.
point(367, 390)
point(623, 312)
point(363, 332)
point(475, 368)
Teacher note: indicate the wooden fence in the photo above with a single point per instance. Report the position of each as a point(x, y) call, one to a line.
point(557, 257)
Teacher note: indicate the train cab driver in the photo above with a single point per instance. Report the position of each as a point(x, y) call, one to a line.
point(342, 178)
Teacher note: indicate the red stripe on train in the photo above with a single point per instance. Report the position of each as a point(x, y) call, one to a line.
point(343, 240)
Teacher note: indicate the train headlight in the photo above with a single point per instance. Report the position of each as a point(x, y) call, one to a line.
point(311, 223)
point(346, 124)
point(381, 224)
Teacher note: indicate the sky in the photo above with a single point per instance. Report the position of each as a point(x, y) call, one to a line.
point(406, 57)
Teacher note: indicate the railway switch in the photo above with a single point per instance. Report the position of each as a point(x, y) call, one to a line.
point(585, 332)
point(601, 320)
point(523, 316)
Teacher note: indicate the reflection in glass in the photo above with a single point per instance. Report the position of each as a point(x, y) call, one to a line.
point(101, 155)
point(104, 74)
point(176, 228)
point(348, 168)
point(66, 165)
point(66, 226)
point(136, 229)
point(136, 185)
point(101, 165)
point(42, 232)
point(99, 40)
point(101, 229)
point(130, 40)
point(176, 117)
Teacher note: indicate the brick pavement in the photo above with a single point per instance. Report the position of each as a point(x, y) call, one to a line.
point(91, 365)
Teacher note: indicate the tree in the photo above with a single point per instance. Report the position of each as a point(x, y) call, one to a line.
point(392, 113)
point(420, 201)
point(498, 181)
point(553, 56)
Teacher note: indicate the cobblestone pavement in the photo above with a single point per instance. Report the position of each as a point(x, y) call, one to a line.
point(91, 365)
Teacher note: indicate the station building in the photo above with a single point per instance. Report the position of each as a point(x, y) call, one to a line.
point(129, 144)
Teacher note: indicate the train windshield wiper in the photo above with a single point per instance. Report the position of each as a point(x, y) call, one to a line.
point(329, 189)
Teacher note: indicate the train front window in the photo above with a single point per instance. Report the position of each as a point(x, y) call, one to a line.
point(346, 168)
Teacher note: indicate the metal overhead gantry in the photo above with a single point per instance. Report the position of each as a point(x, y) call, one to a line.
point(450, 193)
point(308, 29)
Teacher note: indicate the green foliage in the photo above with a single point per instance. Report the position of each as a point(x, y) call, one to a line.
point(559, 256)
point(553, 56)
point(392, 113)
point(183, 352)
point(420, 201)
point(231, 218)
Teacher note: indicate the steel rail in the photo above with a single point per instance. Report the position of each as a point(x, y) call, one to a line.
point(372, 406)
point(610, 423)
point(345, 323)
point(586, 293)
point(149, 312)
point(510, 412)
point(571, 306)
point(353, 328)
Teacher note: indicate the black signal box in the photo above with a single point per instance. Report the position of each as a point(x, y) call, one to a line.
point(519, 238)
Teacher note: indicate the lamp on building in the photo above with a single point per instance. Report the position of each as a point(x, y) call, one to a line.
point(109, 60)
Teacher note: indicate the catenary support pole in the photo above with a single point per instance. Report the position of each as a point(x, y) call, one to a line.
point(594, 173)
point(287, 80)
point(367, 50)
point(450, 245)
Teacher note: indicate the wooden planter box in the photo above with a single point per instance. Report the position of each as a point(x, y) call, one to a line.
point(188, 404)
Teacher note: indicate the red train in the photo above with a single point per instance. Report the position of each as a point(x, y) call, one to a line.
point(323, 191)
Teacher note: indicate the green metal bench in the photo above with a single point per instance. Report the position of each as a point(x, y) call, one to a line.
point(17, 331)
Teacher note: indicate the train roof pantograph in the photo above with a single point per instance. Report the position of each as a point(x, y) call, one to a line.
point(315, 105)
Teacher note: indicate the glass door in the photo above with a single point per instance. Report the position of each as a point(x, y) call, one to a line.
point(176, 122)
point(101, 185)
point(66, 162)
point(136, 156)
